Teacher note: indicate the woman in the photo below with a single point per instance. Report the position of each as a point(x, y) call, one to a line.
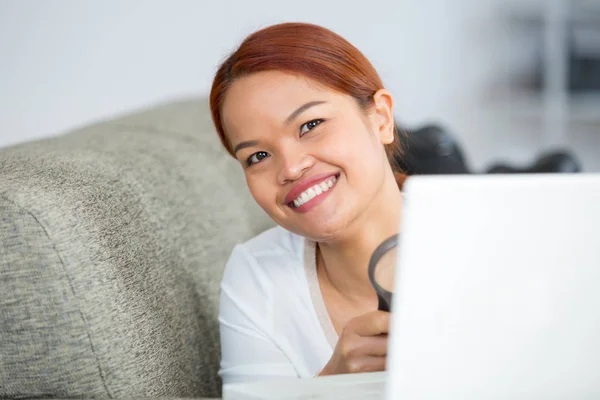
point(308, 118)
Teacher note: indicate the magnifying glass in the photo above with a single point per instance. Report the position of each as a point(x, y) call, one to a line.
point(382, 267)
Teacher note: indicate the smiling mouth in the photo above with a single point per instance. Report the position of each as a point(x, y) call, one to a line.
point(314, 191)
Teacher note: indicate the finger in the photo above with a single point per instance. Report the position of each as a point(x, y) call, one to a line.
point(368, 346)
point(367, 364)
point(371, 324)
point(374, 345)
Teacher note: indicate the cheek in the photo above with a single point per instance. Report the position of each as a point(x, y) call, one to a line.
point(355, 148)
point(261, 192)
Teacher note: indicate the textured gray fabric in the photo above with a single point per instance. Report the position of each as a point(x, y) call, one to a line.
point(113, 240)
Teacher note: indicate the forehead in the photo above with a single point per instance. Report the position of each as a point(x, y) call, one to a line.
point(270, 97)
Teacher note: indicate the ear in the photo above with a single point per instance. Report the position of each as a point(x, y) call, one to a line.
point(384, 115)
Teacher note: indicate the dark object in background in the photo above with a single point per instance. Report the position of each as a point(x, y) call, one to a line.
point(583, 63)
point(431, 150)
point(584, 52)
point(550, 162)
point(584, 71)
point(582, 40)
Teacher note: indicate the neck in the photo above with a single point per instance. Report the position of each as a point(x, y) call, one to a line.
point(344, 261)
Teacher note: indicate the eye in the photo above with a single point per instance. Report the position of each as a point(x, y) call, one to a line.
point(309, 126)
point(257, 157)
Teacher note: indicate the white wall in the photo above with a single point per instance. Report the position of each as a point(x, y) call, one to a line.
point(64, 63)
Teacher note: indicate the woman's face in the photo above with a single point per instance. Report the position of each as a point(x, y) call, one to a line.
point(313, 160)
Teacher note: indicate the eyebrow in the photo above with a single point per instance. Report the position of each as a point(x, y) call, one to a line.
point(288, 120)
point(243, 145)
point(301, 109)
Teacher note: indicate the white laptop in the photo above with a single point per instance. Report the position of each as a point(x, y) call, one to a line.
point(497, 296)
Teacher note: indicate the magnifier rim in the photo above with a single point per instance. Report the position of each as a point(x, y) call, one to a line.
point(379, 252)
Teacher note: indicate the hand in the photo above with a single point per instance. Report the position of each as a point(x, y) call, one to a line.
point(362, 346)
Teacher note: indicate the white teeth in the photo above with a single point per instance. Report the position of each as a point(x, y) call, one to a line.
point(314, 191)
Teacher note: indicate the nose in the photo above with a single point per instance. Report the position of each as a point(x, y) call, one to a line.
point(293, 163)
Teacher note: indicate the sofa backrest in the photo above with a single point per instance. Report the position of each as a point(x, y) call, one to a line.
point(113, 239)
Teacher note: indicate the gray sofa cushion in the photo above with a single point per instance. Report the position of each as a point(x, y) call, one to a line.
point(112, 243)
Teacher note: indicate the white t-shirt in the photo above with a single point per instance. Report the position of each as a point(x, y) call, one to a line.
point(273, 321)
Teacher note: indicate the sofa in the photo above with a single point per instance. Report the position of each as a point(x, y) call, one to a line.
point(113, 239)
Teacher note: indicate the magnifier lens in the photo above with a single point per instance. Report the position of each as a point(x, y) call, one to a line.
point(382, 267)
point(385, 269)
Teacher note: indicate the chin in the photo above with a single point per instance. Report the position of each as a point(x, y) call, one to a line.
point(322, 232)
point(323, 226)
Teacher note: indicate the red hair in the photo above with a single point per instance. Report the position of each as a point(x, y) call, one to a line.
point(308, 50)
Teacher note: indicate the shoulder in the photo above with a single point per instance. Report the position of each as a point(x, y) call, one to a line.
point(275, 253)
point(264, 275)
point(275, 242)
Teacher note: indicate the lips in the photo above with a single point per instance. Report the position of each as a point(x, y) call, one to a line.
point(306, 184)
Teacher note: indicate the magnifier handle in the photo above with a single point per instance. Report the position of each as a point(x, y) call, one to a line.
point(384, 304)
